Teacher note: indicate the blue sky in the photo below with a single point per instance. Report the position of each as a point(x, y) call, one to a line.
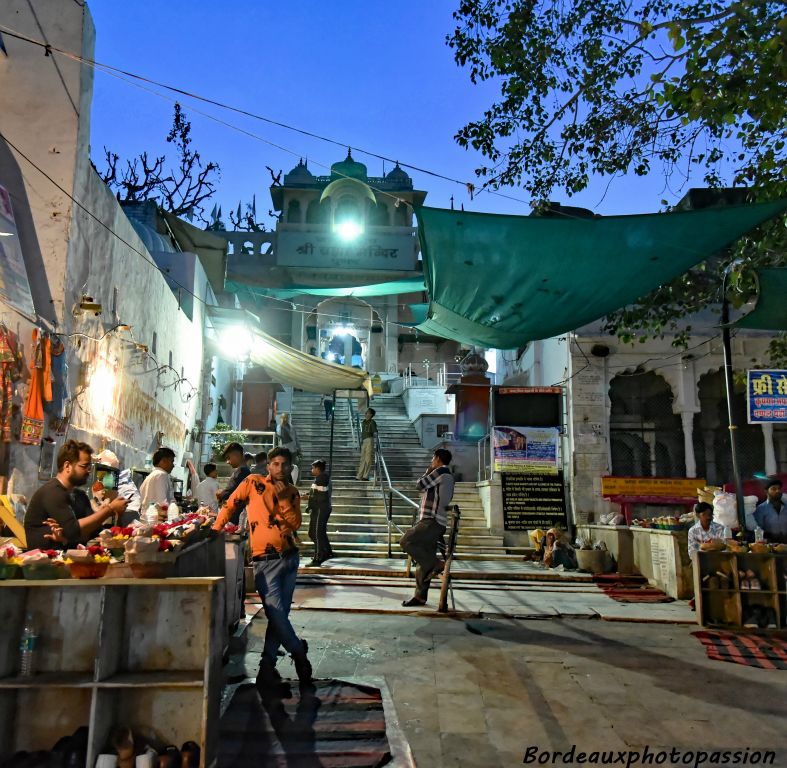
point(372, 75)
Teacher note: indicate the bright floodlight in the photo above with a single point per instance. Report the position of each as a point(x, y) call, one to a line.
point(342, 331)
point(348, 229)
point(236, 342)
point(330, 357)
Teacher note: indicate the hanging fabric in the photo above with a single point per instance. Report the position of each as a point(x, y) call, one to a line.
point(10, 371)
point(56, 408)
point(40, 369)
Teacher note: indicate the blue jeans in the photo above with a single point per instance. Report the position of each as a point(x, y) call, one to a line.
point(275, 581)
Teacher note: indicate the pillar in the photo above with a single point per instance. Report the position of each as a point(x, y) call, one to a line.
point(687, 417)
point(770, 451)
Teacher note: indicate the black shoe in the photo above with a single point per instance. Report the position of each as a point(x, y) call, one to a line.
point(413, 601)
point(268, 675)
point(313, 564)
point(303, 666)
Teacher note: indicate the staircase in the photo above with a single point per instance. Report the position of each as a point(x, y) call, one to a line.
point(358, 525)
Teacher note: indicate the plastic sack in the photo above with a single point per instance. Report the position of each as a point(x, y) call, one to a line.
point(725, 509)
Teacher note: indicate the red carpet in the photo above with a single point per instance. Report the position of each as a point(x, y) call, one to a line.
point(334, 725)
point(763, 651)
point(630, 588)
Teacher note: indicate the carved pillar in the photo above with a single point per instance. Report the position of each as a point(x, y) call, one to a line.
point(770, 452)
point(687, 417)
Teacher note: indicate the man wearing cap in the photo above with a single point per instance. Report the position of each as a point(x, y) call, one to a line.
point(771, 515)
point(233, 454)
point(126, 488)
point(274, 510)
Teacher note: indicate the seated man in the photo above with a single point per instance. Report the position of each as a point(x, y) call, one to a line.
point(705, 529)
point(58, 511)
point(421, 541)
point(771, 515)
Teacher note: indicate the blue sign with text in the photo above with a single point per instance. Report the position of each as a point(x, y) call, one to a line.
point(766, 394)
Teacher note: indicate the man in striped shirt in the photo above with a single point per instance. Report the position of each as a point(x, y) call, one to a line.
point(420, 542)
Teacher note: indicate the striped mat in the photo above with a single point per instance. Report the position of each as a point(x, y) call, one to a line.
point(630, 588)
point(763, 651)
point(333, 724)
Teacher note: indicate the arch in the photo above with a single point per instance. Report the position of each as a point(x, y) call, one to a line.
point(642, 420)
point(294, 212)
point(379, 216)
point(711, 432)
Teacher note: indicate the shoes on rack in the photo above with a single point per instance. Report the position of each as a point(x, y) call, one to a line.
point(189, 755)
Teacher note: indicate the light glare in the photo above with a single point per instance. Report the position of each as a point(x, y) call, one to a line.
point(348, 229)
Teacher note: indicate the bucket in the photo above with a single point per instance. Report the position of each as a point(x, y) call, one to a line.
point(592, 560)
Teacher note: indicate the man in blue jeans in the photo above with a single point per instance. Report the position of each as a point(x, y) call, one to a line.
point(274, 510)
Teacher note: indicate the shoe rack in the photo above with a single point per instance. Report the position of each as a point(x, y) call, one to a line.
point(724, 600)
point(145, 653)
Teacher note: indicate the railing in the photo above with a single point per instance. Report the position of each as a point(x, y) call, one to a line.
point(441, 375)
point(252, 441)
point(388, 492)
point(484, 468)
point(355, 427)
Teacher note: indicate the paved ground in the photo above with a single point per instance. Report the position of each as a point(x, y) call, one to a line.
point(481, 692)
point(513, 590)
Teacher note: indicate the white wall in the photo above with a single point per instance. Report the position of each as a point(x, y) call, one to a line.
point(418, 400)
point(119, 396)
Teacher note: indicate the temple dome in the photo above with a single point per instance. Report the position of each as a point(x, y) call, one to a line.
point(300, 173)
point(349, 168)
point(398, 176)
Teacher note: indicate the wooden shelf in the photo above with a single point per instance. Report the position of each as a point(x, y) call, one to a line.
point(49, 680)
point(728, 606)
point(191, 678)
point(124, 635)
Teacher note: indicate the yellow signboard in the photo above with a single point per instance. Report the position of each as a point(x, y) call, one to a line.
point(651, 486)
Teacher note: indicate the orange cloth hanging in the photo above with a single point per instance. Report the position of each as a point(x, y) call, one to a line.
point(33, 421)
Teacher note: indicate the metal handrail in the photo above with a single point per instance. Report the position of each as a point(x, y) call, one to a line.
point(356, 436)
point(388, 492)
point(483, 455)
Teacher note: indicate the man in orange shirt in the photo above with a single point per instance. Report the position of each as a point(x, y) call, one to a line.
point(273, 505)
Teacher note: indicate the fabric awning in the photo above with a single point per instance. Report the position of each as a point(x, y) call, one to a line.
point(770, 311)
point(285, 364)
point(503, 281)
point(410, 285)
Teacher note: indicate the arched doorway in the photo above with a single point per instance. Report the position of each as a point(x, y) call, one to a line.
point(345, 330)
point(646, 437)
point(712, 437)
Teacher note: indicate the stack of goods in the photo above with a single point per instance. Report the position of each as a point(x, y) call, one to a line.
point(43, 564)
point(10, 561)
point(150, 554)
point(88, 562)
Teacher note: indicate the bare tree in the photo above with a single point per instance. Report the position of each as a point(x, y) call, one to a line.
point(181, 191)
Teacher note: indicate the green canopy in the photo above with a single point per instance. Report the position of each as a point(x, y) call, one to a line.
point(770, 312)
point(411, 285)
point(502, 281)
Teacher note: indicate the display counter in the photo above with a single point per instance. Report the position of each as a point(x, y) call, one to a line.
point(661, 556)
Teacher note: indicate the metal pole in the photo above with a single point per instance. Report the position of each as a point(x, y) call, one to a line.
point(727, 344)
point(442, 605)
point(333, 419)
point(389, 512)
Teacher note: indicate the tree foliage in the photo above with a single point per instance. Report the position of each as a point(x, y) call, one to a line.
point(182, 190)
point(683, 88)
